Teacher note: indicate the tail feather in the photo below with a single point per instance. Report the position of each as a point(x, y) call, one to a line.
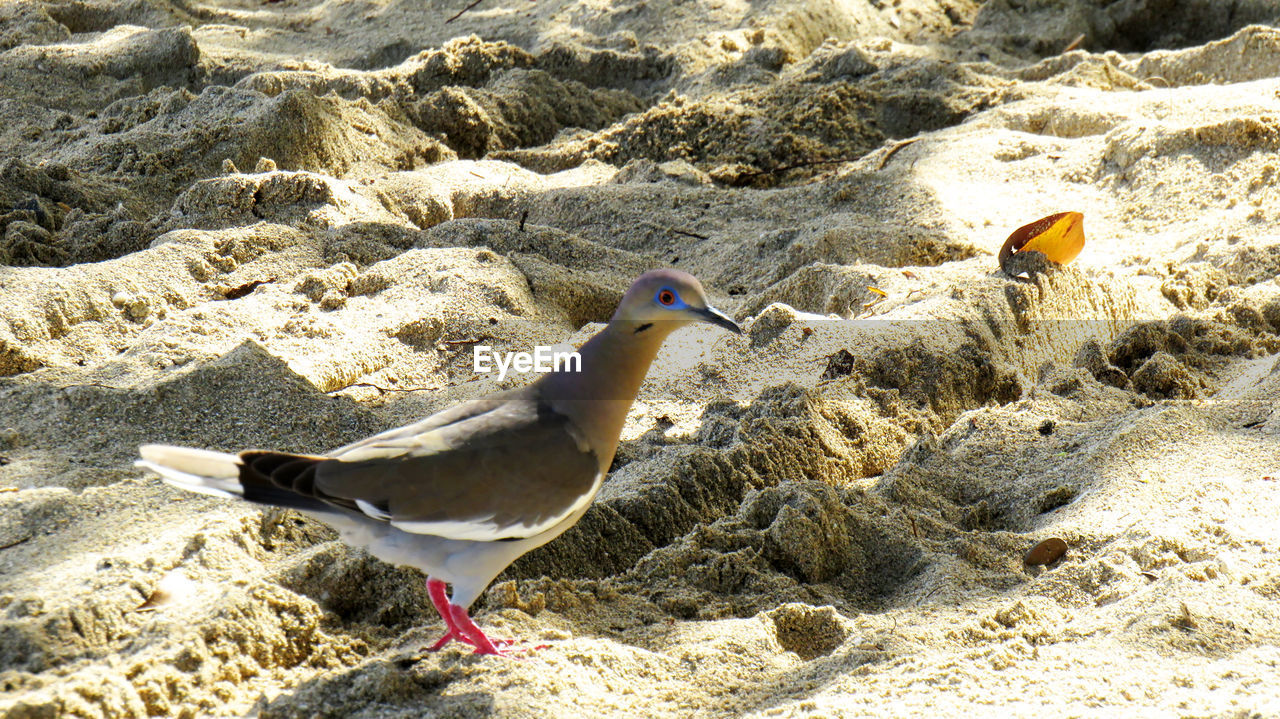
point(270, 478)
point(195, 470)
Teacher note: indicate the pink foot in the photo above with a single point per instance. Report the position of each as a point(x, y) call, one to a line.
point(475, 636)
point(448, 637)
point(464, 630)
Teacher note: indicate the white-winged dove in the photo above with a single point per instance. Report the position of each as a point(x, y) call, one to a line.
point(465, 492)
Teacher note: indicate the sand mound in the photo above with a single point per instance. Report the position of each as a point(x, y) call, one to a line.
point(285, 225)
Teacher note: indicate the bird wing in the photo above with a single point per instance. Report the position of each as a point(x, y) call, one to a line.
point(393, 441)
point(508, 469)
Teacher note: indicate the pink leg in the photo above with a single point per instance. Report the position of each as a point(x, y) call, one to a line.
point(435, 589)
point(462, 628)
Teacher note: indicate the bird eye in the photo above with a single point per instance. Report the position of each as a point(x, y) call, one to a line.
point(666, 297)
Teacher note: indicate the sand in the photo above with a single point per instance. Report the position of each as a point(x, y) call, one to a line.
point(284, 224)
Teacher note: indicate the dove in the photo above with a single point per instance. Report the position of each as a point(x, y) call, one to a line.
point(465, 492)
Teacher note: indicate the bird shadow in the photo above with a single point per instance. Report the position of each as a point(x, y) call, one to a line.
point(386, 687)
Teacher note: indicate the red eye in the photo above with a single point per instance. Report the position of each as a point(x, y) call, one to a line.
point(667, 297)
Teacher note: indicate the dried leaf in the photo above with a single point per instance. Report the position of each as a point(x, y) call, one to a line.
point(1046, 552)
point(1060, 237)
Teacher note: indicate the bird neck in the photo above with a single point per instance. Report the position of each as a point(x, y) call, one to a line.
point(597, 399)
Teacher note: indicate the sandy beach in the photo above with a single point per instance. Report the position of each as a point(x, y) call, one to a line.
point(284, 224)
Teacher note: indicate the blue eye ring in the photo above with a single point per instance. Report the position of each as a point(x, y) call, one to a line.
point(668, 298)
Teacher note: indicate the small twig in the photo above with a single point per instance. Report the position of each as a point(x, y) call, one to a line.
point(95, 384)
point(471, 341)
point(1074, 43)
point(893, 150)
point(380, 388)
point(930, 594)
point(463, 11)
point(20, 541)
point(1137, 474)
point(686, 233)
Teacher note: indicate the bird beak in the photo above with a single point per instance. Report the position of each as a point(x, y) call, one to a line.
point(719, 319)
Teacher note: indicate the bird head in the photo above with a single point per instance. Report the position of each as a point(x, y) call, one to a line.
point(669, 299)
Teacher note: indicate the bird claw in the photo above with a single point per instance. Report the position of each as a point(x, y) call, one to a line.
point(448, 637)
point(501, 645)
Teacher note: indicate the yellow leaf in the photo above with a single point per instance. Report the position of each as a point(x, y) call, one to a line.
point(1060, 237)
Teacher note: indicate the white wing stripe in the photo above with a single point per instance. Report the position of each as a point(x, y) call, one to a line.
point(484, 530)
point(372, 511)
